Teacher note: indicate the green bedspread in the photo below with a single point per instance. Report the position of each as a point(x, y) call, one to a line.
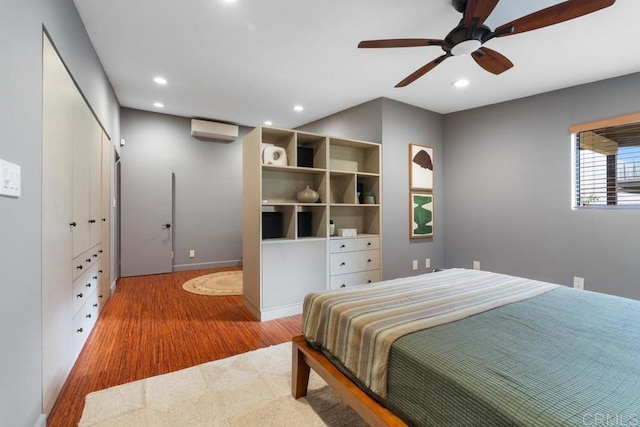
point(565, 357)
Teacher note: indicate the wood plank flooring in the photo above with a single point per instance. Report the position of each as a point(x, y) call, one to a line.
point(151, 326)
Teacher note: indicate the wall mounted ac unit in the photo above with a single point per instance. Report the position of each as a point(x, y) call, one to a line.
point(214, 130)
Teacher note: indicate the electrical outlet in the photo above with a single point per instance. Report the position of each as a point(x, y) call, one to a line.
point(476, 265)
point(415, 264)
point(578, 282)
point(192, 253)
point(427, 263)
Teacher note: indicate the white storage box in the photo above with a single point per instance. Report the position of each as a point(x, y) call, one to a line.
point(347, 232)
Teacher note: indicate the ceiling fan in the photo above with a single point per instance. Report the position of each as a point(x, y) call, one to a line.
point(469, 36)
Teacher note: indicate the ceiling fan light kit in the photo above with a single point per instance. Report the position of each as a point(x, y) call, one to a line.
point(470, 35)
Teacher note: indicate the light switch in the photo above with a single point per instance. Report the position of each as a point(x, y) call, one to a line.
point(9, 179)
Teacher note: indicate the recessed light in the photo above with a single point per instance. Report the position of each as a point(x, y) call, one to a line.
point(298, 108)
point(460, 83)
point(229, 1)
point(158, 104)
point(160, 80)
point(268, 123)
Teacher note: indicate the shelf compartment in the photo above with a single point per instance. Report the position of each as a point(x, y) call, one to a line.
point(281, 138)
point(311, 221)
point(364, 218)
point(281, 186)
point(369, 184)
point(354, 156)
point(278, 222)
point(342, 188)
point(311, 150)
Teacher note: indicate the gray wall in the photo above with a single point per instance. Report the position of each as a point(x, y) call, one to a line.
point(396, 125)
point(21, 143)
point(208, 186)
point(508, 184)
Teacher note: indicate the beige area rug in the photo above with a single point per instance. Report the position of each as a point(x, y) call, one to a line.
point(221, 283)
point(250, 389)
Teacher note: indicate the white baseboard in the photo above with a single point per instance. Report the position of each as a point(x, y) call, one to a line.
point(273, 313)
point(42, 421)
point(215, 264)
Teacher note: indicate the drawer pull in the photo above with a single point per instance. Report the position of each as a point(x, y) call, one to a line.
point(342, 264)
point(95, 255)
point(88, 316)
point(99, 296)
point(95, 277)
point(79, 295)
point(104, 219)
point(100, 271)
point(73, 224)
point(88, 260)
point(343, 286)
point(80, 330)
point(368, 260)
point(88, 285)
point(91, 221)
point(79, 267)
point(100, 251)
point(368, 281)
point(343, 246)
point(369, 244)
point(95, 305)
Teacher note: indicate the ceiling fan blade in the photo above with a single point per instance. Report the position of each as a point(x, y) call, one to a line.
point(552, 15)
point(399, 43)
point(422, 70)
point(491, 60)
point(479, 10)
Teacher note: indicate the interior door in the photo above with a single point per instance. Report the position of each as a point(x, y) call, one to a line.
point(146, 217)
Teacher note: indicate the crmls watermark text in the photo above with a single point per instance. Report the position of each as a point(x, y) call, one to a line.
point(601, 419)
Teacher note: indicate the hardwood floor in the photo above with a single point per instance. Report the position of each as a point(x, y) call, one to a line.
point(151, 326)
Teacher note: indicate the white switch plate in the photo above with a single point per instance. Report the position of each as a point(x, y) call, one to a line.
point(415, 264)
point(578, 282)
point(9, 179)
point(192, 253)
point(476, 265)
point(427, 263)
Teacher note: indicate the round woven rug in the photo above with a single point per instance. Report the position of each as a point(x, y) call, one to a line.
point(216, 284)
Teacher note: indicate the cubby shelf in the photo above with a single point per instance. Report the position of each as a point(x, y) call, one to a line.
point(286, 243)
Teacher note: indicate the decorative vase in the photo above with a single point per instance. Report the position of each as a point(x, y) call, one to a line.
point(307, 196)
point(369, 200)
point(332, 229)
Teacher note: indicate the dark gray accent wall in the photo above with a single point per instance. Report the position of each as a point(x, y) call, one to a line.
point(21, 26)
point(207, 186)
point(507, 193)
point(396, 125)
point(402, 125)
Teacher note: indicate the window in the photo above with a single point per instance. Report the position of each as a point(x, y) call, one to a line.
point(607, 163)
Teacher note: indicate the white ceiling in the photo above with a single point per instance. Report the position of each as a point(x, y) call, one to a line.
point(253, 60)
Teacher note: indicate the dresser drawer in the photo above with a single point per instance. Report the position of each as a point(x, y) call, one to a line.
point(81, 263)
point(351, 244)
point(84, 286)
point(351, 262)
point(352, 279)
point(84, 321)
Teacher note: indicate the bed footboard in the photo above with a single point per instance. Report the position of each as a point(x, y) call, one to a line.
point(305, 358)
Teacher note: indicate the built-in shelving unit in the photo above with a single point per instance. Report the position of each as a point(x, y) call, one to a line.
point(286, 243)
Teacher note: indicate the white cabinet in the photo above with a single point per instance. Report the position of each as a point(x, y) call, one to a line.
point(287, 247)
point(76, 177)
point(354, 261)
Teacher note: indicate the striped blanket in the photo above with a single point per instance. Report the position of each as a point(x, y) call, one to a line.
point(358, 325)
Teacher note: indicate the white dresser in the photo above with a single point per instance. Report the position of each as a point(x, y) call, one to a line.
point(354, 260)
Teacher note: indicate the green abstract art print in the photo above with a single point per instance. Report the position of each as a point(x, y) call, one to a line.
point(421, 212)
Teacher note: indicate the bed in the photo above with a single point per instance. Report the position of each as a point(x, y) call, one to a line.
point(474, 348)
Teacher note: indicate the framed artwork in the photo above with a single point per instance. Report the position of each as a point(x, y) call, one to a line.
point(421, 215)
point(420, 167)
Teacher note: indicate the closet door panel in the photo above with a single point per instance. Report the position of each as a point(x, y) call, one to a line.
point(81, 177)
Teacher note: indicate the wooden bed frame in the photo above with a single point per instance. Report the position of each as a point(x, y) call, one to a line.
point(305, 357)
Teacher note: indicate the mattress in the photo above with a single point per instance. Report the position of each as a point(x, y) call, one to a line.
point(563, 357)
